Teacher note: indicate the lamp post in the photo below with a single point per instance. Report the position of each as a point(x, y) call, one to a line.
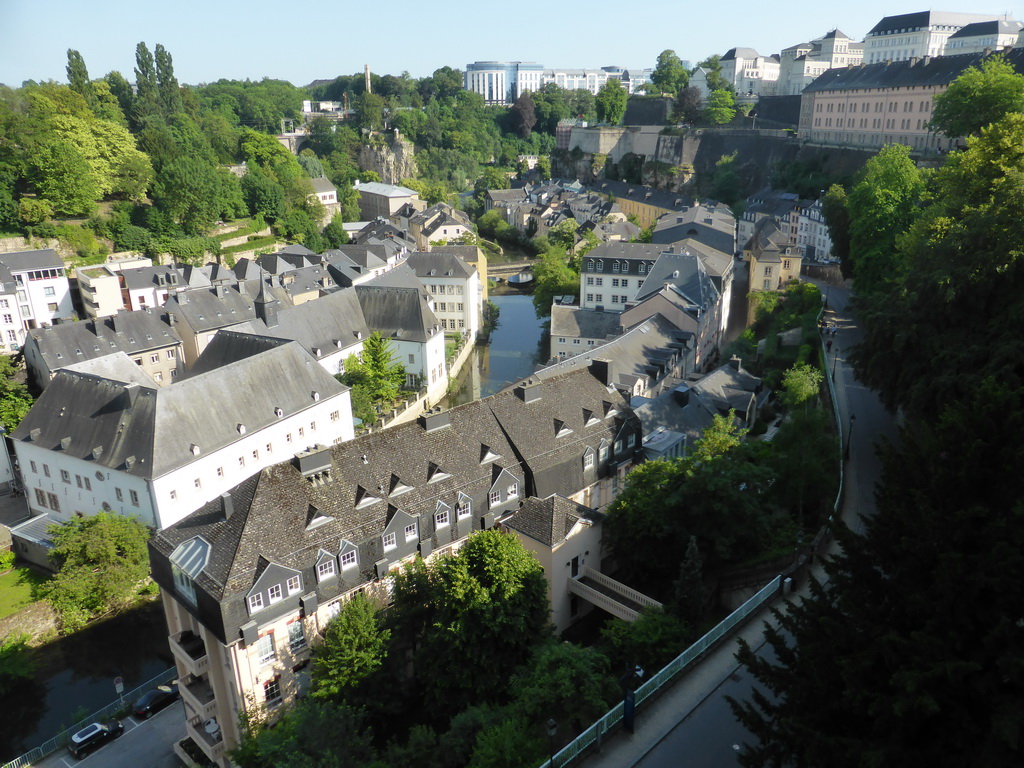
point(552, 730)
point(849, 436)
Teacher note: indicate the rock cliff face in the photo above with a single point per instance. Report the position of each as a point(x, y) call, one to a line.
point(391, 156)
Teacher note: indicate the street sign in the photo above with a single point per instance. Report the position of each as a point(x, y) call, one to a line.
point(119, 685)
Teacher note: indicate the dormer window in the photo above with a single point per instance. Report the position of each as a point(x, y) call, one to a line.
point(256, 602)
point(588, 459)
point(279, 412)
point(275, 593)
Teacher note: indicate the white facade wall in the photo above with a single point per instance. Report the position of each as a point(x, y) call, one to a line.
point(165, 500)
point(42, 299)
point(12, 325)
point(456, 302)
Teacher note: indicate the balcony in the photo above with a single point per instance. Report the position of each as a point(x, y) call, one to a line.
point(198, 697)
point(207, 735)
point(190, 650)
point(190, 753)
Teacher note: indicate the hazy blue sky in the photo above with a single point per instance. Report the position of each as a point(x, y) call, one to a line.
point(301, 42)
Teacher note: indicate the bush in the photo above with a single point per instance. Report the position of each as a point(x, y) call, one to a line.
point(6, 561)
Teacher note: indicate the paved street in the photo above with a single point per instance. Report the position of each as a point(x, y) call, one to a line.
point(149, 743)
point(691, 724)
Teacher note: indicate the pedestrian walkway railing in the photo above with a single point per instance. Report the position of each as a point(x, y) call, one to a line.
point(107, 713)
point(591, 738)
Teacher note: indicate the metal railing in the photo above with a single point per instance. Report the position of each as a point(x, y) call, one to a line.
point(594, 734)
point(62, 738)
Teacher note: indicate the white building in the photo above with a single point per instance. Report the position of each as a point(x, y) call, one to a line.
point(992, 35)
point(42, 293)
point(502, 82)
point(800, 64)
point(92, 443)
point(750, 73)
point(813, 235)
point(454, 288)
point(916, 35)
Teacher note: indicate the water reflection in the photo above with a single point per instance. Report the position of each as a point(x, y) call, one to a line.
point(517, 345)
point(75, 675)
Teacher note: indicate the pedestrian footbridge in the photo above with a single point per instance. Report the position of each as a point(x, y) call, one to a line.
point(610, 595)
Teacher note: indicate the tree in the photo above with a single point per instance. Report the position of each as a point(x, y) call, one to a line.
point(563, 234)
point(801, 385)
point(187, 190)
point(263, 195)
point(523, 116)
point(552, 276)
point(15, 665)
point(720, 108)
point(62, 176)
point(101, 563)
point(650, 642)
point(370, 112)
point(146, 104)
point(354, 647)
point(32, 211)
point(669, 75)
point(169, 90)
point(78, 78)
point(376, 372)
point(477, 615)
point(837, 218)
point(15, 400)
point(611, 102)
point(804, 459)
point(334, 233)
point(882, 205)
point(979, 97)
point(689, 105)
point(713, 66)
point(688, 600)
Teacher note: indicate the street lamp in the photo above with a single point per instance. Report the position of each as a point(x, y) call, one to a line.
point(552, 730)
point(849, 436)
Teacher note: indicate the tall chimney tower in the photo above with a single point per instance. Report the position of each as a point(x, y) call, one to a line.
point(366, 73)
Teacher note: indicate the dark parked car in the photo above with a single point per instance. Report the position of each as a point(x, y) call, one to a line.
point(153, 701)
point(93, 736)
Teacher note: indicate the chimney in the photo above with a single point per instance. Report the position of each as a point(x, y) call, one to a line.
point(528, 390)
point(227, 505)
point(601, 369)
point(735, 363)
point(65, 443)
point(681, 394)
point(172, 319)
point(435, 419)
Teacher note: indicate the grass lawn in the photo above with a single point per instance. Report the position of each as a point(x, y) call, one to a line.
point(18, 589)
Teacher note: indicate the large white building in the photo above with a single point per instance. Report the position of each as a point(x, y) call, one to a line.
point(34, 296)
point(800, 64)
point(502, 82)
point(916, 35)
point(92, 442)
point(454, 288)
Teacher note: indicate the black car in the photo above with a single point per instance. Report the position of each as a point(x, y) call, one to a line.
point(93, 736)
point(153, 701)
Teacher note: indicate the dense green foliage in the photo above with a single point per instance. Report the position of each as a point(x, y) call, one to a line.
point(670, 76)
point(979, 97)
point(15, 665)
point(912, 650)
point(15, 399)
point(375, 376)
point(102, 562)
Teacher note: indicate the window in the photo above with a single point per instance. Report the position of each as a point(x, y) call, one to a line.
point(615, 282)
point(65, 476)
point(296, 635)
point(618, 446)
point(325, 570)
point(390, 541)
point(241, 461)
point(256, 602)
point(49, 291)
point(170, 354)
point(631, 440)
point(174, 495)
point(54, 501)
point(513, 490)
point(410, 532)
point(265, 652)
point(272, 691)
point(220, 471)
point(134, 497)
point(33, 465)
point(335, 415)
point(288, 437)
point(118, 494)
point(46, 469)
point(256, 455)
point(275, 593)
point(494, 498)
point(464, 508)
point(412, 359)
point(294, 584)
point(154, 358)
point(184, 584)
point(588, 459)
point(598, 281)
point(8, 319)
point(270, 447)
point(41, 497)
point(348, 560)
point(312, 426)
point(442, 519)
point(590, 281)
point(52, 307)
point(785, 264)
point(302, 432)
point(197, 483)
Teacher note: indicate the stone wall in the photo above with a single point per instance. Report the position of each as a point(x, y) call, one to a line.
point(390, 155)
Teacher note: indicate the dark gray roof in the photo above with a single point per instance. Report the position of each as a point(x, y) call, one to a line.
point(323, 185)
point(728, 386)
point(150, 277)
point(438, 264)
point(993, 27)
point(740, 53)
point(157, 426)
point(367, 256)
point(658, 198)
point(710, 223)
point(550, 520)
point(287, 260)
point(926, 71)
point(670, 305)
point(680, 409)
point(329, 323)
point(20, 261)
point(922, 19)
point(131, 332)
point(687, 276)
point(573, 321)
point(397, 305)
point(408, 470)
point(203, 310)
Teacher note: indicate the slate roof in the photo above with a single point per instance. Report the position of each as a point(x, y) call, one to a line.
point(681, 409)
point(21, 261)
point(740, 53)
point(729, 386)
point(329, 323)
point(285, 261)
point(157, 426)
point(397, 305)
point(658, 198)
point(149, 277)
point(438, 264)
point(205, 311)
point(117, 367)
point(910, 73)
point(638, 354)
point(550, 520)
point(667, 303)
point(322, 185)
point(131, 332)
point(576, 322)
point(923, 19)
point(408, 469)
point(386, 190)
point(711, 224)
point(993, 27)
point(687, 275)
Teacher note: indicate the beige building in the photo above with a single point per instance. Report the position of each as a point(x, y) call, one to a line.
point(377, 200)
point(774, 259)
point(889, 103)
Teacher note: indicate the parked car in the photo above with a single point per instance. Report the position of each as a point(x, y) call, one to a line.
point(93, 737)
point(153, 701)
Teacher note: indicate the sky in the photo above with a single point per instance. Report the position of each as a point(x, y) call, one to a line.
point(302, 42)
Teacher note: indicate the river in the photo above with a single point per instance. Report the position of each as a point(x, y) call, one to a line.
point(517, 345)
